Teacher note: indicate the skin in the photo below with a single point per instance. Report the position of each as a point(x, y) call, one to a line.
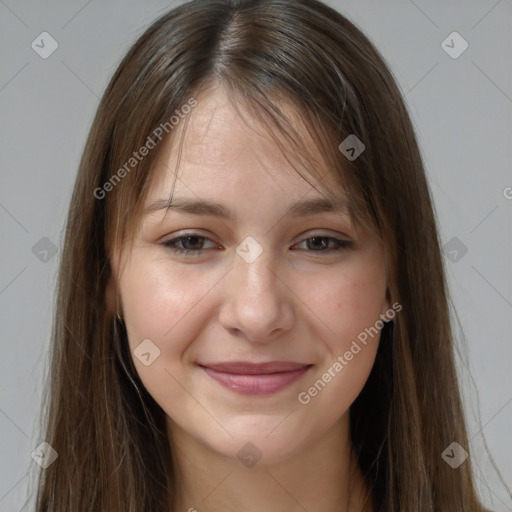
point(293, 303)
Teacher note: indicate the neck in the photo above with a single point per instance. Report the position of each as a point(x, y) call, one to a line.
point(322, 476)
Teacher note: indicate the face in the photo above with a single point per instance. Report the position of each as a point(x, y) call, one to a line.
point(237, 300)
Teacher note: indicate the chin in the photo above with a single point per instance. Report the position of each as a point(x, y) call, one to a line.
point(265, 443)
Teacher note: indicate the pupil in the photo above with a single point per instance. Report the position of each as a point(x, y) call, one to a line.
point(193, 240)
point(320, 239)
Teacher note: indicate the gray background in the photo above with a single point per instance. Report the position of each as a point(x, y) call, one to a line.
point(460, 107)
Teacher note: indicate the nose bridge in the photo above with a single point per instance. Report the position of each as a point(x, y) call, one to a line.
point(254, 275)
point(256, 302)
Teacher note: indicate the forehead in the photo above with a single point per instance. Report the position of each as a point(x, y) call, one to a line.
point(218, 147)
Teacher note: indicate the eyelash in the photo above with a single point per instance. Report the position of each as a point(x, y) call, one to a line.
point(171, 244)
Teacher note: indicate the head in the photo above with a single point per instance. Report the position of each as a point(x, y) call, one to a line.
point(245, 104)
point(310, 282)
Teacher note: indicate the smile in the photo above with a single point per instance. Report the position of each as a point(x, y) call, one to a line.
point(255, 379)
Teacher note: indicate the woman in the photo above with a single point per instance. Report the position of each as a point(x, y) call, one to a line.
point(252, 309)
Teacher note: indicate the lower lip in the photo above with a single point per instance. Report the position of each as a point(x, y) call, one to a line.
point(260, 384)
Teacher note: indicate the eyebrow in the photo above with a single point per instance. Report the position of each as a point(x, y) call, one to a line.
point(303, 208)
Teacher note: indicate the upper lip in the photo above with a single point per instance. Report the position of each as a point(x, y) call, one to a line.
point(246, 368)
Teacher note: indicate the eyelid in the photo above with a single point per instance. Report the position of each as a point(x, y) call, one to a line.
point(300, 238)
point(321, 233)
point(181, 235)
point(339, 243)
point(344, 242)
point(184, 233)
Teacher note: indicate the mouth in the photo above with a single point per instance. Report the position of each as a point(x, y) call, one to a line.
point(255, 378)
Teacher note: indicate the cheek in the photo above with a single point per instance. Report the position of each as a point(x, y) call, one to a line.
point(347, 302)
point(351, 310)
point(160, 303)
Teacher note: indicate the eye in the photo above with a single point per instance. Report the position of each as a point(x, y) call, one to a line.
point(189, 243)
point(193, 244)
point(325, 244)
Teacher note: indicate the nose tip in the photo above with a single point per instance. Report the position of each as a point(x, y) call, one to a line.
point(257, 304)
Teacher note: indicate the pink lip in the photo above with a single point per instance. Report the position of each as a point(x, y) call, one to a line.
point(255, 379)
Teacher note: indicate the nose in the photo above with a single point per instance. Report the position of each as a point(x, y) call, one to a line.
point(258, 303)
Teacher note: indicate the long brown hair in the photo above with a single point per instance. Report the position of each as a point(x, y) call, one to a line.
point(108, 431)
